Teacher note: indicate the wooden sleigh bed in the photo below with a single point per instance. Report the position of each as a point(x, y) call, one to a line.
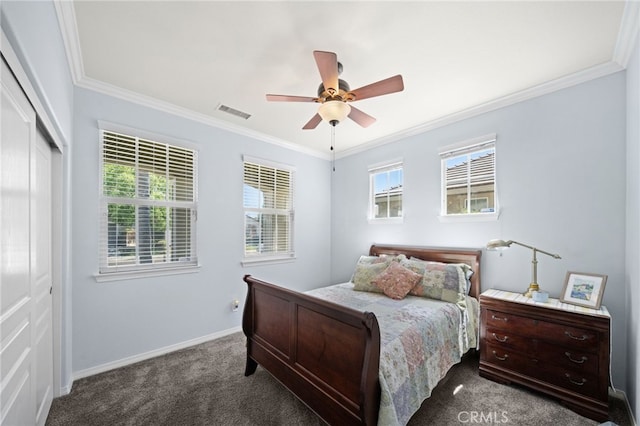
point(326, 354)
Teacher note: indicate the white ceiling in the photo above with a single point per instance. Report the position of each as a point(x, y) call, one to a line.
point(456, 58)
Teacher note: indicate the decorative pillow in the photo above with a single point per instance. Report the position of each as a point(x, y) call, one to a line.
point(365, 273)
point(419, 266)
point(416, 265)
point(396, 281)
point(368, 268)
point(442, 281)
point(468, 272)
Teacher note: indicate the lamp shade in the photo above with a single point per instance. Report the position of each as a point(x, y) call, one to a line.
point(498, 244)
point(334, 111)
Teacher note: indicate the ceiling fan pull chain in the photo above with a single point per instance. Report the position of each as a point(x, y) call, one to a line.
point(333, 151)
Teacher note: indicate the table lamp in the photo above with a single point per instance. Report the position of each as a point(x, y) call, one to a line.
point(502, 244)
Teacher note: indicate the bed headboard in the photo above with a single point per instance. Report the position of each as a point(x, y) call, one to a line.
point(438, 254)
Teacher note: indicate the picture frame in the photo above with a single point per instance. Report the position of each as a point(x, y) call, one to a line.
point(583, 289)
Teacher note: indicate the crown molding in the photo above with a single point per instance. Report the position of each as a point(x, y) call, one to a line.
point(624, 48)
point(628, 35)
point(68, 27)
point(169, 108)
point(514, 98)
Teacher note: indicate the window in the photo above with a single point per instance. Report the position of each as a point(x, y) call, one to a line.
point(268, 210)
point(469, 177)
point(148, 202)
point(385, 188)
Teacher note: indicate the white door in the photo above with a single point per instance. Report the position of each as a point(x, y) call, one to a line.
point(41, 268)
point(25, 249)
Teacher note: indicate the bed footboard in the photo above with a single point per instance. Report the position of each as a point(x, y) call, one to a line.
point(326, 354)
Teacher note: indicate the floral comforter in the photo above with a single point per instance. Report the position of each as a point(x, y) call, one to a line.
point(420, 340)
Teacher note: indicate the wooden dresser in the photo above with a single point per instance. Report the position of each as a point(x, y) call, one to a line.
point(552, 347)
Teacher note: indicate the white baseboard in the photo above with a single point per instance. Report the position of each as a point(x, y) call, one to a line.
point(147, 355)
point(65, 390)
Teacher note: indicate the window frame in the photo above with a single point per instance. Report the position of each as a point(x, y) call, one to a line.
point(249, 259)
point(375, 170)
point(468, 147)
point(140, 270)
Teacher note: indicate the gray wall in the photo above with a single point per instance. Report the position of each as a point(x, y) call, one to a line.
point(632, 276)
point(561, 187)
point(116, 320)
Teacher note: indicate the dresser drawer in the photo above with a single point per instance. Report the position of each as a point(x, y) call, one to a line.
point(507, 358)
point(572, 337)
point(553, 332)
point(583, 382)
point(577, 359)
point(504, 338)
point(572, 358)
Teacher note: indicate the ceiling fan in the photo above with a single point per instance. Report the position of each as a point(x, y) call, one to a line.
point(334, 94)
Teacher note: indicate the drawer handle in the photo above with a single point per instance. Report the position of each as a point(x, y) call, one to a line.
point(504, 339)
point(577, 361)
point(504, 358)
point(499, 318)
point(574, 382)
point(583, 337)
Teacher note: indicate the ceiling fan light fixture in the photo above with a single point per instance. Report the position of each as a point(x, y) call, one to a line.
point(334, 112)
point(333, 101)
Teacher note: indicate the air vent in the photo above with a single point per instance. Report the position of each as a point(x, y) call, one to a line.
point(233, 111)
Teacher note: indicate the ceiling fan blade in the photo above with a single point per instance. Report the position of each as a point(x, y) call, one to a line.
point(313, 123)
point(362, 118)
point(287, 98)
point(382, 87)
point(328, 66)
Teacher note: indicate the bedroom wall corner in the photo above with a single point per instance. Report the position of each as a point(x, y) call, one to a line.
point(632, 258)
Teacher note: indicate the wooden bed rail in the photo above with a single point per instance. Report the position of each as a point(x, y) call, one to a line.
point(328, 355)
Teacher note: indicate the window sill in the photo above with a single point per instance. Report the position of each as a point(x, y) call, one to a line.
point(258, 261)
point(130, 275)
point(387, 221)
point(478, 217)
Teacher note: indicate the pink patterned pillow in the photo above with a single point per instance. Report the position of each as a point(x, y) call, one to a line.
point(396, 281)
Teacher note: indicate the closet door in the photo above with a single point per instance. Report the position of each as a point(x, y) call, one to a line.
point(41, 268)
point(17, 140)
point(25, 251)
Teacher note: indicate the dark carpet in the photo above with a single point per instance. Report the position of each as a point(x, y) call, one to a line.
point(205, 385)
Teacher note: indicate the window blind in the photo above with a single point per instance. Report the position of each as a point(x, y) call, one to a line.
point(268, 210)
point(149, 196)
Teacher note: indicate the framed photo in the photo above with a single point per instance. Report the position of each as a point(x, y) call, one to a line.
point(583, 289)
